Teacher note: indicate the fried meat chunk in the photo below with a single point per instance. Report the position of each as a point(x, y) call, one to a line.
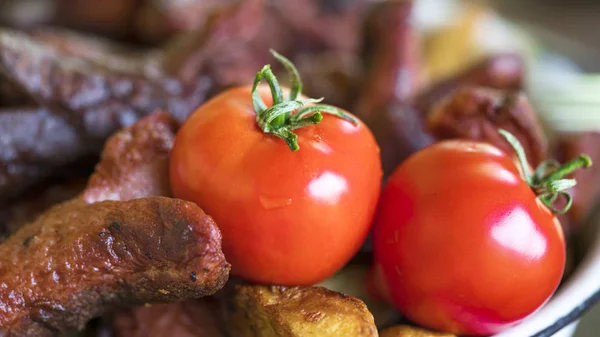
point(135, 161)
point(78, 260)
point(478, 113)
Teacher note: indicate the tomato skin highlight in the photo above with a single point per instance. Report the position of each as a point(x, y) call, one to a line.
point(289, 218)
point(463, 243)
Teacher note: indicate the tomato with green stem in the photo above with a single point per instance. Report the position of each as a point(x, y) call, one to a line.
point(468, 243)
point(293, 186)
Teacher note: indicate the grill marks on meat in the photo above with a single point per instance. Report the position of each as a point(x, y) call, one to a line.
point(478, 113)
point(78, 260)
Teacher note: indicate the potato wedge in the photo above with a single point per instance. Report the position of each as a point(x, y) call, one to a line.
point(276, 311)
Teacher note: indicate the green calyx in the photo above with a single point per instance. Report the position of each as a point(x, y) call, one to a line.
point(548, 180)
point(280, 119)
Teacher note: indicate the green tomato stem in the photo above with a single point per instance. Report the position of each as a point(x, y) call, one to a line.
point(279, 119)
point(548, 181)
point(583, 161)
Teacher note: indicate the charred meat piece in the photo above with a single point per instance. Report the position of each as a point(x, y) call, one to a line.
point(113, 18)
point(192, 318)
point(135, 162)
point(391, 54)
point(157, 20)
point(322, 24)
point(399, 127)
point(586, 193)
point(34, 144)
point(97, 93)
point(409, 331)
point(78, 260)
point(89, 88)
point(323, 38)
point(501, 71)
point(87, 258)
point(478, 113)
point(272, 311)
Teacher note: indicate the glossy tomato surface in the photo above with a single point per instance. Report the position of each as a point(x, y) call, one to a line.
point(290, 218)
point(462, 242)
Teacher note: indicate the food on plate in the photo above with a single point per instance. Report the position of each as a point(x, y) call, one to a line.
point(24, 158)
point(399, 127)
point(78, 260)
point(477, 113)
point(89, 88)
point(392, 59)
point(134, 164)
point(392, 76)
point(251, 310)
point(111, 253)
point(350, 281)
point(158, 20)
point(466, 241)
point(503, 71)
point(268, 169)
point(409, 331)
point(191, 318)
point(135, 161)
point(293, 184)
point(270, 311)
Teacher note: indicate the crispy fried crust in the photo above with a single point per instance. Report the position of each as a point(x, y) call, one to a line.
point(478, 113)
point(78, 260)
point(409, 331)
point(134, 162)
point(89, 255)
point(270, 311)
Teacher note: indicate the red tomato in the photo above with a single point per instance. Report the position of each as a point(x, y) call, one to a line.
point(463, 243)
point(290, 218)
